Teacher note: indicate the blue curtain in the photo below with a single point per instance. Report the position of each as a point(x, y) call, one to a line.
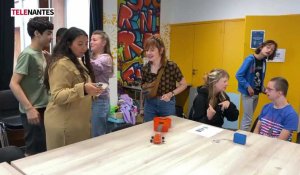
point(7, 39)
point(96, 15)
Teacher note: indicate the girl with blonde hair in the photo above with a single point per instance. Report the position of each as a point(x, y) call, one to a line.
point(102, 63)
point(212, 103)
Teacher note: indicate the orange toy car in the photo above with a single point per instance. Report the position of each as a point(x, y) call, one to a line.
point(157, 139)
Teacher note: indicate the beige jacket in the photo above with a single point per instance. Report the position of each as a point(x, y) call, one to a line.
point(67, 117)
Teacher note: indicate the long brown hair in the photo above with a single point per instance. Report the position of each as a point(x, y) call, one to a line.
point(266, 43)
point(62, 50)
point(210, 80)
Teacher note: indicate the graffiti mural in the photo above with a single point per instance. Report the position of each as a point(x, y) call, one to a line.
point(137, 20)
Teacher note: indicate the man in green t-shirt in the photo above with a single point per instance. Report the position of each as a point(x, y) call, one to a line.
point(27, 84)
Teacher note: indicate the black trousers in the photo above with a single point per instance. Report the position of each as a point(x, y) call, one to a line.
point(35, 137)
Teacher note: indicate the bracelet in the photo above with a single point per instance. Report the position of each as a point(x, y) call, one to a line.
point(84, 91)
point(173, 94)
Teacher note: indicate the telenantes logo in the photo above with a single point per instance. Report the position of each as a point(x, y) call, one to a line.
point(32, 12)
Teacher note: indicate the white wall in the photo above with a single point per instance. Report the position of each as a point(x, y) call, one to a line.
point(110, 11)
point(21, 21)
point(78, 14)
point(182, 11)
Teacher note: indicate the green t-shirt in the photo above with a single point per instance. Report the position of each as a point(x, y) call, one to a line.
point(31, 64)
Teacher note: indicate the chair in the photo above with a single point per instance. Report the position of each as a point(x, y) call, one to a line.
point(235, 98)
point(10, 116)
point(10, 153)
point(192, 95)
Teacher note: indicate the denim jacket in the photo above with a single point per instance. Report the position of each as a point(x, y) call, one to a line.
point(245, 75)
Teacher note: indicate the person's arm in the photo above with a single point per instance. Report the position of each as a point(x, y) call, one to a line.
point(103, 64)
point(199, 108)
point(61, 82)
point(257, 127)
point(33, 115)
point(241, 73)
point(231, 113)
point(290, 124)
point(182, 84)
point(181, 87)
point(284, 134)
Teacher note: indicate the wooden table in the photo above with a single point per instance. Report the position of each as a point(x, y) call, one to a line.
point(6, 169)
point(130, 152)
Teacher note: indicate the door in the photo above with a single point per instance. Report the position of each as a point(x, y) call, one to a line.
point(182, 49)
point(208, 49)
point(233, 50)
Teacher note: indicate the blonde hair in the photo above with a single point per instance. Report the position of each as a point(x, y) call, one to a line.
point(107, 45)
point(210, 80)
point(106, 38)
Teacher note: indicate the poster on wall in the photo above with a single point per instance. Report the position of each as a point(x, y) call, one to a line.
point(279, 57)
point(137, 20)
point(257, 37)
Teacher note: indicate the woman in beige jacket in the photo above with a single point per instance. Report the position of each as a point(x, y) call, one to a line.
point(67, 117)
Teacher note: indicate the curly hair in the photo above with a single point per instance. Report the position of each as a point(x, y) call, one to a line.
point(41, 24)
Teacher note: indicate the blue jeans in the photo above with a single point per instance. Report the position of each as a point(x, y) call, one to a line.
point(100, 114)
point(156, 107)
point(249, 105)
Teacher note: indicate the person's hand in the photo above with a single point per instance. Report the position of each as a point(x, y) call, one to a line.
point(224, 105)
point(47, 55)
point(142, 112)
point(210, 112)
point(92, 89)
point(33, 116)
point(250, 91)
point(167, 97)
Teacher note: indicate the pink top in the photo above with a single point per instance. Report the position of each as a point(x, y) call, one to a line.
point(102, 66)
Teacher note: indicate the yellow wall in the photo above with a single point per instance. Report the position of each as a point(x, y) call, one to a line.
point(204, 46)
point(225, 44)
point(182, 50)
point(208, 49)
point(285, 30)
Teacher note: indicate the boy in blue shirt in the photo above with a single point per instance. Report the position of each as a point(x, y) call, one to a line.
point(277, 119)
point(250, 78)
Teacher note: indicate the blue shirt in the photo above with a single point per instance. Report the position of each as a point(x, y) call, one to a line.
point(246, 74)
point(274, 120)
